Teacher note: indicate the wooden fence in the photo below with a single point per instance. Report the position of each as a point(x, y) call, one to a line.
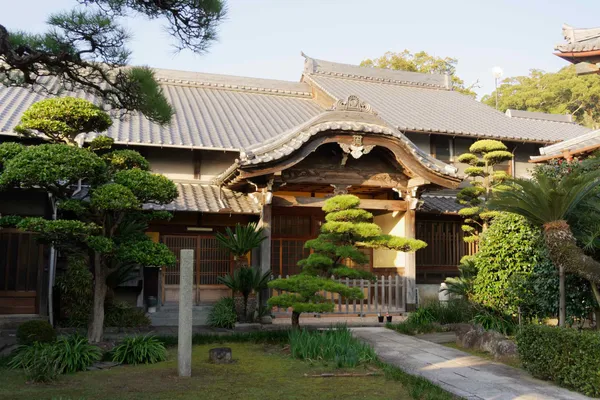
point(384, 295)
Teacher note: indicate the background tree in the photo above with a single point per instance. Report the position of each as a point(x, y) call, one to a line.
point(347, 228)
point(421, 62)
point(483, 156)
point(563, 92)
point(99, 194)
point(84, 49)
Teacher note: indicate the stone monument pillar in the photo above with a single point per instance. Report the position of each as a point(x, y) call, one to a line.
point(186, 298)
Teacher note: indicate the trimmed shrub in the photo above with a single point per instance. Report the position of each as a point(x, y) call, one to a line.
point(566, 356)
point(44, 362)
point(223, 314)
point(75, 287)
point(35, 331)
point(139, 350)
point(335, 345)
point(124, 315)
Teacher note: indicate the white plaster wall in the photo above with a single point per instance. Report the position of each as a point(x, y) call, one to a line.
point(175, 164)
point(391, 223)
point(215, 162)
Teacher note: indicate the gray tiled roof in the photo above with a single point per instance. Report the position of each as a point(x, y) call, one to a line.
point(332, 69)
point(439, 204)
point(205, 198)
point(579, 39)
point(212, 111)
point(428, 110)
point(572, 145)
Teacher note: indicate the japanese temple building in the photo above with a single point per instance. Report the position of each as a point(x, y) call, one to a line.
point(247, 149)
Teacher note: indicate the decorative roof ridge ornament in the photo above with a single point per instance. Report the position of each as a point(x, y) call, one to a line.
point(352, 103)
point(357, 149)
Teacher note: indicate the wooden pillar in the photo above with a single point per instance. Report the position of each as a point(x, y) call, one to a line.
point(265, 246)
point(410, 269)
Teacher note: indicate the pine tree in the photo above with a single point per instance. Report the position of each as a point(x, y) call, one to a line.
point(483, 156)
point(346, 228)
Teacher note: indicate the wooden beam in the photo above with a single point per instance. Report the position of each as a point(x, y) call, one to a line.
point(318, 202)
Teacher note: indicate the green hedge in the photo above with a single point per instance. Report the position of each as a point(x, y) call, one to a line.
point(566, 356)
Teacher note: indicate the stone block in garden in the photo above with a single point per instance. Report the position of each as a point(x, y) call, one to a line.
point(220, 355)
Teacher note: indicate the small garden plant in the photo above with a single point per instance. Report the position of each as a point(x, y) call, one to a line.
point(139, 350)
point(35, 331)
point(222, 314)
point(335, 345)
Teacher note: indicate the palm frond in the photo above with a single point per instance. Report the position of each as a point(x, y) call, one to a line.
point(545, 199)
point(242, 240)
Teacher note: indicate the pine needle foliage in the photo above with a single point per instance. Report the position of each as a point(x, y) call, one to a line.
point(481, 159)
point(334, 251)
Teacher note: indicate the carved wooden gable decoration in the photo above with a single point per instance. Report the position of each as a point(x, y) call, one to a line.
point(348, 144)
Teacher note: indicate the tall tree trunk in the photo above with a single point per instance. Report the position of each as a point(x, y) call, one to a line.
point(568, 257)
point(562, 299)
point(96, 326)
point(295, 320)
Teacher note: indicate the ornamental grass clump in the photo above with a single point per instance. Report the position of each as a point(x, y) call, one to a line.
point(139, 350)
point(335, 345)
point(44, 362)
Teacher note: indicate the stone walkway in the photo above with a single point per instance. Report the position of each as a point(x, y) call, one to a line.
point(458, 372)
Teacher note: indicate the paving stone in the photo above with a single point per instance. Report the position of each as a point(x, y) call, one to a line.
point(458, 372)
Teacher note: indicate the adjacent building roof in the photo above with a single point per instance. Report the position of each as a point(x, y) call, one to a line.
point(209, 199)
point(234, 113)
point(579, 39)
point(436, 109)
point(569, 148)
point(439, 204)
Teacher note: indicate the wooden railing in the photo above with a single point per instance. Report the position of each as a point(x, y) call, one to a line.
point(384, 295)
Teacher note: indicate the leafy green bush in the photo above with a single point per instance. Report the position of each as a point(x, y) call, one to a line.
point(223, 314)
point(421, 316)
point(514, 271)
point(451, 312)
point(124, 315)
point(566, 356)
point(333, 345)
point(75, 287)
point(35, 331)
point(43, 362)
point(139, 350)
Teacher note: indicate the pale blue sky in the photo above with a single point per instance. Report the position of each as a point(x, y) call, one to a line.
point(263, 38)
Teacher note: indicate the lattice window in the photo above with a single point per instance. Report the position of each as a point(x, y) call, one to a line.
point(210, 260)
point(20, 258)
point(214, 261)
point(285, 254)
point(291, 225)
point(445, 244)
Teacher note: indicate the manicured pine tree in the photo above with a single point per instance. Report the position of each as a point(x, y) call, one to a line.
point(346, 228)
point(482, 157)
point(99, 194)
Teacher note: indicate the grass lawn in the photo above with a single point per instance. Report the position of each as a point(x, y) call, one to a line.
point(260, 372)
point(515, 363)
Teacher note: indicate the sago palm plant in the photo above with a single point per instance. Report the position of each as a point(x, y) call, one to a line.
point(241, 241)
point(548, 202)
